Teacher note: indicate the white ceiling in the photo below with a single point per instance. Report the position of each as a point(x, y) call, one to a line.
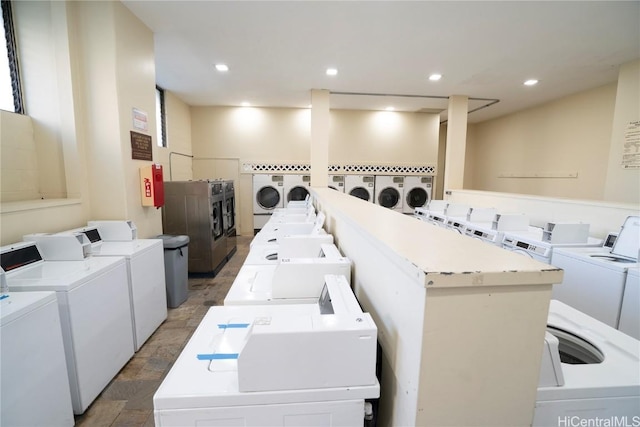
point(277, 51)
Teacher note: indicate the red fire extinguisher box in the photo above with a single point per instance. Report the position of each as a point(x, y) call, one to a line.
point(151, 185)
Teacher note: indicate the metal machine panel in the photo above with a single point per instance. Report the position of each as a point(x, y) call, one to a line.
point(195, 209)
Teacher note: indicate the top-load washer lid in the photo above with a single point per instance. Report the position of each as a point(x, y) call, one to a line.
point(19, 303)
point(615, 375)
point(417, 197)
point(297, 193)
point(574, 349)
point(389, 197)
point(361, 193)
point(268, 197)
point(627, 245)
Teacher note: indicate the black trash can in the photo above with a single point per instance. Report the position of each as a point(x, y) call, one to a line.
point(176, 263)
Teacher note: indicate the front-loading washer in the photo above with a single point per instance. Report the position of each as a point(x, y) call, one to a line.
point(360, 186)
point(147, 287)
point(268, 195)
point(417, 192)
point(336, 182)
point(94, 308)
point(389, 192)
point(589, 372)
point(296, 187)
point(34, 384)
point(630, 312)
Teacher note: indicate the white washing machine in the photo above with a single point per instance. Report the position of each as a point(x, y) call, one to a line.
point(589, 372)
point(147, 286)
point(539, 244)
point(268, 195)
point(296, 187)
point(360, 186)
point(94, 307)
point(595, 278)
point(291, 365)
point(34, 384)
point(336, 182)
point(630, 311)
point(417, 192)
point(389, 192)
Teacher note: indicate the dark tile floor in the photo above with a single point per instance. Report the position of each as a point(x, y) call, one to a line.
point(128, 399)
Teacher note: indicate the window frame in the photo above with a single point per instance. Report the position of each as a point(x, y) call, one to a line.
point(162, 138)
point(12, 53)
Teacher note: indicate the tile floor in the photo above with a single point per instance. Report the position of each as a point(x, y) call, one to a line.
point(128, 399)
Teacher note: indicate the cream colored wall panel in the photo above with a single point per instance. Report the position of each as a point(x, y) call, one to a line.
point(383, 137)
point(570, 134)
point(37, 49)
point(179, 165)
point(97, 55)
point(265, 134)
point(136, 82)
point(622, 184)
point(19, 165)
point(39, 217)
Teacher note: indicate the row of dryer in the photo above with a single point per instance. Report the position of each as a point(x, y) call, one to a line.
point(108, 296)
point(600, 276)
point(400, 193)
point(290, 346)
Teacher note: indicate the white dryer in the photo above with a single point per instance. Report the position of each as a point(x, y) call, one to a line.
point(630, 311)
point(389, 192)
point(34, 384)
point(268, 195)
point(360, 186)
point(589, 371)
point(147, 287)
point(296, 187)
point(336, 182)
point(417, 192)
point(94, 307)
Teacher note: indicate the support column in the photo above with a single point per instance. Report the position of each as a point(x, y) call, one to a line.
point(456, 142)
point(319, 137)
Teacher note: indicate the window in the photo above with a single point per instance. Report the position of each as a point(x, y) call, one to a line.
point(161, 118)
point(10, 88)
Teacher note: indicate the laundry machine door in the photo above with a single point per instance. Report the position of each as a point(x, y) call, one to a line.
point(417, 197)
point(389, 197)
point(268, 197)
point(361, 193)
point(216, 216)
point(297, 193)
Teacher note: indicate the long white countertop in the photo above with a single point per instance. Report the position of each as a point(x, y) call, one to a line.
point(445, 257)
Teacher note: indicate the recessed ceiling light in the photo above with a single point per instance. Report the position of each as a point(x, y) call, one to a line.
point(389, 109)
point(332, 71)
point(222, 67)
point(435, 77)
point(245, 104)
point(531, 82)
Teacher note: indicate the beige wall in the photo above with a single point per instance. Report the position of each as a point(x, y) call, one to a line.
point(569, 135)
point(383, 137)
point(224, 138)
point(103, 67)
point(624, 184)
point(176, 156)
point(19, 167)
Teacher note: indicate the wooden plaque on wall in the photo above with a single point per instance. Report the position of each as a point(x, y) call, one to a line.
point(141, 148)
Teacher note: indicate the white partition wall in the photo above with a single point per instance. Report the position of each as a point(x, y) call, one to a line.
point(461, 323)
